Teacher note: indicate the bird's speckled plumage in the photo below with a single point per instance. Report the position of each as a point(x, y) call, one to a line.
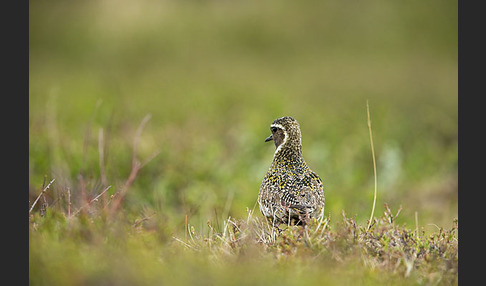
point(290, 191)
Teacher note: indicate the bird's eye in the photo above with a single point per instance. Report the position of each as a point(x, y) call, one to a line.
point(273, 129)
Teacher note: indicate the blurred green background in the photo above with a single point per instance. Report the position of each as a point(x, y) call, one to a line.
point(213, 75)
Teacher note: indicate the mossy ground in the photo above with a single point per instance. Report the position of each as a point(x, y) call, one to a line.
point(96, 249)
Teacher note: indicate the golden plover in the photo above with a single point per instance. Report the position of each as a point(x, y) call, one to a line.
point(290, 192)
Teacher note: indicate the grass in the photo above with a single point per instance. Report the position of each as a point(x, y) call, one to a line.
point(146, 129)
point(90, 247)
point(374, 165)
point(100, 243)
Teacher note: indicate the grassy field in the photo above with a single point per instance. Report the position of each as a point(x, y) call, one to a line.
point(150, 117)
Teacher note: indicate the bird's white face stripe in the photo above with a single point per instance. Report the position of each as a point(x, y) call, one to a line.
point(278, 126)
point(285, 136)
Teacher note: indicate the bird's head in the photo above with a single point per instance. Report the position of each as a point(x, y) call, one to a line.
point(285, 134)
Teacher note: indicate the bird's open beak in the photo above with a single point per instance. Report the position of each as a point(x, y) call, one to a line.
point(269, 138)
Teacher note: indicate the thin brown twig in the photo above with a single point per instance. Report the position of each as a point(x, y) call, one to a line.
point(150, 158)
point(136, 165)
point(93, 200)
point(139, 221)
point(38, 197)
point(82, 187)
point(44, 199)
point(138, 134)
point(110, 200)
point(185, 228)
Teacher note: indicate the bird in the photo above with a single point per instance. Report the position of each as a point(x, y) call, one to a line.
point(290, 192)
